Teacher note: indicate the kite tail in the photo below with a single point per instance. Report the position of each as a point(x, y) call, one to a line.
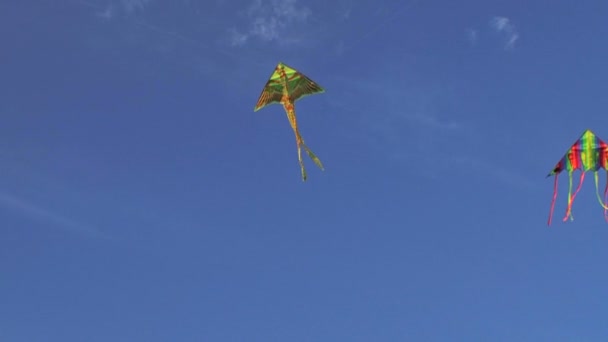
point(313, 156)
point(597, 192)
point(572, 196)
point(302, 169)
point(291, 116)
point(300, 143)
point(553, 200)
point(606, 198)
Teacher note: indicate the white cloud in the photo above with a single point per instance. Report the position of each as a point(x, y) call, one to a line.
point(237, 38)
point(508, 177)
point(38, 213)
point(345, 14)
point(404, 114)
point(511, 42)
point(107, 14)
point(504, 26)
point(269, 19)
point(431, 121)
point(501, 23)
point(134, 5)
point(471, 36)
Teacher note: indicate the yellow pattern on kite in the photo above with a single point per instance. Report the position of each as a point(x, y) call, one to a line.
point(285, 86)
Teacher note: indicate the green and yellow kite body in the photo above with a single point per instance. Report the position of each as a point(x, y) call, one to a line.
point(285, 86)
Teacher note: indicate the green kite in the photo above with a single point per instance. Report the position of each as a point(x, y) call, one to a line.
point(285, 86)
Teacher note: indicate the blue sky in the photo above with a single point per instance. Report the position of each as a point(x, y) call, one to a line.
point(142, 199)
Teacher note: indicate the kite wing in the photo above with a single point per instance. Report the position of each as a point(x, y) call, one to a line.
point(588, 153)
point(272, 93)
point(285, 78)
point(298, 85)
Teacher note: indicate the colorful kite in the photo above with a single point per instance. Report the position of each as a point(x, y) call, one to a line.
point(589, 153)
point(286, 86)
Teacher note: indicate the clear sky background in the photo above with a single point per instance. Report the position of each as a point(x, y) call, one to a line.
point(142, 199)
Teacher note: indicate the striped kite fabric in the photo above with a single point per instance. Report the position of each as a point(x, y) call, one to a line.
point(588, 153)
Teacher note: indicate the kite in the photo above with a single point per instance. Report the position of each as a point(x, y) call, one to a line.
point(588, 153)
point(285, 86)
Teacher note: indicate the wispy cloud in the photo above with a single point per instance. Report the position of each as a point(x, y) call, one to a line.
point(107, 14)
point(472, 36)
point(506, 176)
point(37, 213)
point(109, 11)
point(504, 26)
point(431, 121)
point(131, 6)
point(268, 20)
point(237, 38)
point(405, 120)
point(205, 53)
point(345, 14)
point(425, 122)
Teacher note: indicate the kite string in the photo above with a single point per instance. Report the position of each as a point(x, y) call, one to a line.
point(553, 200)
